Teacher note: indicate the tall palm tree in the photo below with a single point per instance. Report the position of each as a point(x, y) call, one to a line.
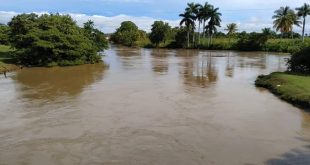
point(303, 12)
point(214, 22)
point(284, 20)
point(188, 20)
point(231, 29)
point(205, 15)
point(193, 9)
point(200, 19)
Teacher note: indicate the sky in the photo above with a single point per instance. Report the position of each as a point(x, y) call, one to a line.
point(250, 15)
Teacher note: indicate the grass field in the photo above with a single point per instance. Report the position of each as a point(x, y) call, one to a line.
point(288, 86)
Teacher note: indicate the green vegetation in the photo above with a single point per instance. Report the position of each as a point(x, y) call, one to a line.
point(303, 12)
point(160, 32)
point(300, 61)
point(6, 61)
point(49, 40)
point(290, 87)
point(293, 86)
point(128, 34)
point(285, 45)
point(4, 34)
point(284, 19)
point(208, 18)
point(54, 39)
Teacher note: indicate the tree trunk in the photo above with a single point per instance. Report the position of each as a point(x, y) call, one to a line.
point(193, 36)
point(210, 39)
point(199, 32)
point(203, 28)
point(303, 29)
point(188, 37)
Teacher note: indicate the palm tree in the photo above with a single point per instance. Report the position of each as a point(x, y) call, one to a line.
point(188, 20)
point(200, 19)
point(284, 19)
point(303, 12)
point(231, 29)
point(205, 15)
point(267, 32)
point(214, 22)
point(193, 9)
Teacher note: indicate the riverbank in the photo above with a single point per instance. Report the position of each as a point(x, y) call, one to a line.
point(6, 63)
point(224, 43)
point(290, 87)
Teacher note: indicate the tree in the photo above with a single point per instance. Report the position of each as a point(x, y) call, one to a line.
point(303, 12)
point(180, 37)
point(284, 19)
point(127, 34)
point(231, 29)
point(4, 34)
point(188, 20)
point(50, 39)
point(214, 22)
point(193, 9)
point(159, 32)
point(205, 15)
point(95, 35)
point(199, 17)
point(268, 32)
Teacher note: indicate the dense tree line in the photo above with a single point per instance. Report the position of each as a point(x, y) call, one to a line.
point(199, 25)
point(52, 39)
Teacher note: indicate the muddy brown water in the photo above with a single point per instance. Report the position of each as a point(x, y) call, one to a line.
point(151, 107)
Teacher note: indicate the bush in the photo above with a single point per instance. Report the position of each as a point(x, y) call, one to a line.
point(251, 42)
point(300, 61)
point(285, 45)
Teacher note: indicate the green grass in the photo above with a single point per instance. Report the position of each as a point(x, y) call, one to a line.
point(293, 88)
point(219, 43)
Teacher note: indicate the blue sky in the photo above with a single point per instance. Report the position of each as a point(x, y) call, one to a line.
point(250, 15)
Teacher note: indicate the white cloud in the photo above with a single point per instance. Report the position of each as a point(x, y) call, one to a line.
point(106, 24)
point(109, 24)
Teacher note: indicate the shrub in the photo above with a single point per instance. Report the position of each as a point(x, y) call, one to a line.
point(300, 61)
point(251, 42)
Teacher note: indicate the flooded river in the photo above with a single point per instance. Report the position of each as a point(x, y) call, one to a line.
point(151, 107)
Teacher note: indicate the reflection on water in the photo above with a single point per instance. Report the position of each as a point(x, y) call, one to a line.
point(151, 106)
point(52, 83)
point(160, 63)
point(200, 72)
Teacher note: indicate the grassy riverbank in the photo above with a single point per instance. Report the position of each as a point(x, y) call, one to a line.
point(293, 88)
point(6, 63)
point(224, 43)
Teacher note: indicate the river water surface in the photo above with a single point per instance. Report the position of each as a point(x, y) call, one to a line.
point(151, 107)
